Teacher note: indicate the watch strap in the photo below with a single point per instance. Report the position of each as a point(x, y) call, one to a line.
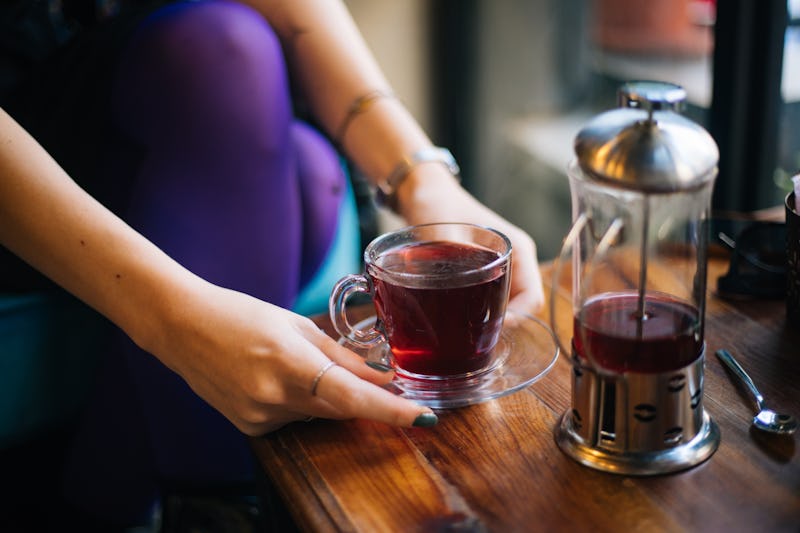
point(431, 154)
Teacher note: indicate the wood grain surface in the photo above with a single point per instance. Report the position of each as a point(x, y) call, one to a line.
point(495, 466)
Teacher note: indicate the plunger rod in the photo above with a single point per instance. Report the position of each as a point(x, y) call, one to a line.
point(640, 308)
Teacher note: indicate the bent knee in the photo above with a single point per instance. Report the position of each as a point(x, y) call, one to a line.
point(211, 30)
point(198, 61)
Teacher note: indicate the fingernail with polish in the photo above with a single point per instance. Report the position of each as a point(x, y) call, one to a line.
point(425, 420)
point(380, 367)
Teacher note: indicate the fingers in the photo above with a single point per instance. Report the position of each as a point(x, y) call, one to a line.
point(350, 387)
point(527, 291)
point(354, 363)
point(529, 296)
point(356, 398)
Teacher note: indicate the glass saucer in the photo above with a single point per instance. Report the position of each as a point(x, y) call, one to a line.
point(525, 352)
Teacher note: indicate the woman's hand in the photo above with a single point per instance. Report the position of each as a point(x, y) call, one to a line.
point(256, 363)
point(335, 69)
point(431, 194)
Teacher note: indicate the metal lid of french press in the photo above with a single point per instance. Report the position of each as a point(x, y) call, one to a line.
point(646, 145)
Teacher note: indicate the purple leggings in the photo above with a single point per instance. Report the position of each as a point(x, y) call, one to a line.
point(235, 189)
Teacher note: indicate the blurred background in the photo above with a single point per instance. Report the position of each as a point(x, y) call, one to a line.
point(506, 85)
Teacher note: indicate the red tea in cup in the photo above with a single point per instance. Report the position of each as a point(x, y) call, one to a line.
point(441, 329)
point(440, 293)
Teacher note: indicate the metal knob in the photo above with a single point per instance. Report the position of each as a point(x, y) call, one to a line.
point(652, 96)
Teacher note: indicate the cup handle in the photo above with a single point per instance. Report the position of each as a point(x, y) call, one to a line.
point(344, 288)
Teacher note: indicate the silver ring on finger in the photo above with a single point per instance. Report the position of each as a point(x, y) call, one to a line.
point(315, 383)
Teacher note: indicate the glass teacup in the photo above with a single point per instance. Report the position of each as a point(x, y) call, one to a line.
point(440, 293)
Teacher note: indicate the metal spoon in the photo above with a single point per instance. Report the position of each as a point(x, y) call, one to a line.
point(766, 419)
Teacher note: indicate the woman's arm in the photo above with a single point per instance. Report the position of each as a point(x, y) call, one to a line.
point(334, 67)
point(50, 222)
point(252, 361)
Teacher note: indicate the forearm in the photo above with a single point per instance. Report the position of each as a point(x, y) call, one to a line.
point(54, 225)
point(333, 66)
point(250, 360)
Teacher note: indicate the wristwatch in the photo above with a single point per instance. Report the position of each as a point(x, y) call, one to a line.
point(431, 154)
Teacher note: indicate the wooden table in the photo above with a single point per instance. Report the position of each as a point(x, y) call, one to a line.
point(495, 466)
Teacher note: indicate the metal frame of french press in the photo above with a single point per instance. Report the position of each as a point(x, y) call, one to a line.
point(638, 423)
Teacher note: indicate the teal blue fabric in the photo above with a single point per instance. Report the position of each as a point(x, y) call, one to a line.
point(344, 257)
point(49, 349)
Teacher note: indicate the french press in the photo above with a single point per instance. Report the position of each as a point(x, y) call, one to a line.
point(641, 186)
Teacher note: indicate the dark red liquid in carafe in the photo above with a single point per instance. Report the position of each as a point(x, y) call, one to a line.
point(448, 328)
point(609, 332)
